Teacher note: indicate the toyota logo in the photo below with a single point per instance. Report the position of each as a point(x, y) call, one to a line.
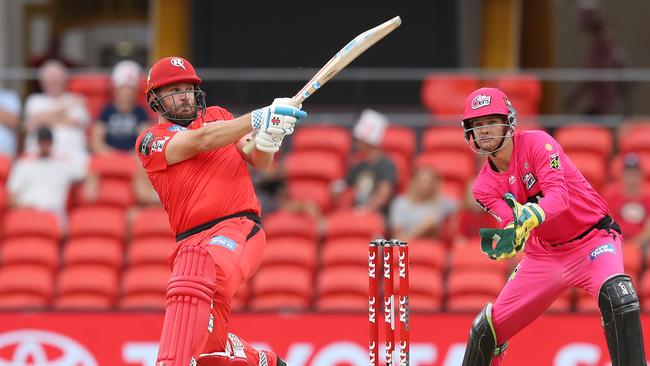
point(42, 348)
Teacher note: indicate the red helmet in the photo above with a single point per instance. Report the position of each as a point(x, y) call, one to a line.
point(170, 70)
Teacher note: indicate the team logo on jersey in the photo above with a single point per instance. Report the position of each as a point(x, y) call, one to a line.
point(159, 144)
point(175, 128)
point(554, 161)
point(178, 62)
point(145, 143)
point(605, 248)
point(480, 101)
point(529, 180)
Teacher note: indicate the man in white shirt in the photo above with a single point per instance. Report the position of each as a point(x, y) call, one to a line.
point(10, 107)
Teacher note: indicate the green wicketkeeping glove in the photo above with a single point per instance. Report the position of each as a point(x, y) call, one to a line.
point(526, 217)
point(505, 242)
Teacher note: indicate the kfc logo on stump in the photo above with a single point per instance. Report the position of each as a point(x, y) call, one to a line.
point(38, 347)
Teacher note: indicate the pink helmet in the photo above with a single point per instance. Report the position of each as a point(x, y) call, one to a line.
point(485, 102)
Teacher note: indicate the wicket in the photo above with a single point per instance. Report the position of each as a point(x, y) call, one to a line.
point(389, 300)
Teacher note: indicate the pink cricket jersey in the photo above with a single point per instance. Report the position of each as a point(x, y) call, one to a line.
point(540, 172)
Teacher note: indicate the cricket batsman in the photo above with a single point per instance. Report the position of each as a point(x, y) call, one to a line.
point(195, 161)
point(550, 212)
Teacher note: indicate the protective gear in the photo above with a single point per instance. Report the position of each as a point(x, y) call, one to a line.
point(171, 70)
point(619, 307)
point(526, 217)
point(505, 242)
point(484, 102)
point(266, 142)
point(187, 310)
point(482, 342)
point(277, 119)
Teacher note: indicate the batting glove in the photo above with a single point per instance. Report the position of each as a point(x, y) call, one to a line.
point(526, 217)
point(505, 242)
point(267, 142)
point(279, 118)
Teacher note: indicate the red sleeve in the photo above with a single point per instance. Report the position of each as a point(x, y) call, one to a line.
point(547, 164)
point(150, 148)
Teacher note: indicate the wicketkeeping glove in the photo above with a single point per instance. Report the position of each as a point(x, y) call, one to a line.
point(505, 242)
point(277, 119)
point(526, 217)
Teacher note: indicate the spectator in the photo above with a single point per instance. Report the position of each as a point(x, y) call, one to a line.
point(370, 182)
point(121, 120)
point(9, 118)
point(42, 181)
point(630, 205)
point(423, 210)
point(62, 112)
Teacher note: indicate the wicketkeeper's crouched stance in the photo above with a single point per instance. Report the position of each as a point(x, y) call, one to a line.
point(545, 205)
point(195, 160)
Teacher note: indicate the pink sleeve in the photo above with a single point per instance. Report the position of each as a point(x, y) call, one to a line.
point(547, 156)
point(493, 205)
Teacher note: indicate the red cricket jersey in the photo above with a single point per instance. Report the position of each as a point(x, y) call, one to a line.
point(207, 186)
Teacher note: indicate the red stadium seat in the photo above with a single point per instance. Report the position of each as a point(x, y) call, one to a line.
point(349, 280)
point(144, 287)
point(586, 138)
point(323, 138)
point(353, 223)
point(150, 250)
point(450, 165)
point(25, 286)
point(100, 251)
point(30, 250)
point(95, 281)
point(142, 301)
point(342, 302)
point(95, 88)
point(315, 192)
point(276, 302)
point(634, 136)
point(31, 223)
point(111, 192)
point(585, 303)
point(283, 280)
point(82, 302)
point(313, 165)
point(151, 222)
point(399, 140)
point(97, 222)
point(427, 253)
point(284, 223)
point(290, 252)
point(460, 283)
point(403, 170)
point(345, 252)
point(592, 167)
point(445, 138)
point(116, 165)
point(468, 257)
point(633, 259)
point(468, 303)
point(445, 94)
point(5, 168)
point(563, 303)
point(425, 285)
point(523, 90)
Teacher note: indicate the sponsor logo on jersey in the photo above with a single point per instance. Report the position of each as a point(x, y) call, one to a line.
point(529, 180)
point(554, 161)
point(159, 144)
point(224, 241)
point(480, 101)
point(175, 128)
point(145, 143)
point(605, 248)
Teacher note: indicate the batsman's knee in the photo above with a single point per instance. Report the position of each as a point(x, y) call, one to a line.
point(482, 343)
point(619, 307)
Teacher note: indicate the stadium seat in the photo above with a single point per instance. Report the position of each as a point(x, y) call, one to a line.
point(288, 224)
point(450, 165)
point(349, 280)
point(97, 222)
point(313, 165)
point(5, 168)
point(151, 222)
point(427, 253)
point(344, 252)
point(111, 192)
point(633, 137)
point(87, 282)
point(277, 302)
point(399, 140)
point(592, 166)
point(445, 138)
point(25, 286)
point(30, 250)
point(353, 223)
point(287, 251)
point(468, 257)
point(115, 165)
point(150, 250)
point(445, 94)
point(523, 90)
point(461, 283)
point(323, 138)
point(31, 223)
point(563, 303)
point(585, 303)
point(425, 286)
point(100, 251)
point(617, 165)
point(586, 137)
point(82, 301)
point(315, 192)
point(144, 287)
point(342, 302)
point(283, 280)
point(468, 303)
point(95, 88)
point(633, 259)
point(402, 168)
